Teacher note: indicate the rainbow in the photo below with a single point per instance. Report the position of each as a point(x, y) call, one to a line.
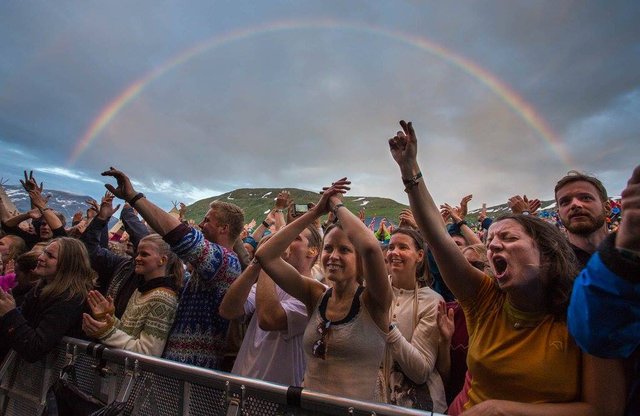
point(522, 108)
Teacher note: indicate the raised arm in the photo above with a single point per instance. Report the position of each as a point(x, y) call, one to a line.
point(160, 221)
point(271, 314)
point(459, 275)
point(132, 225)
point(377, 295)
point(305, 289)
point(103, 260)
point(456, 214)
point(232, 305)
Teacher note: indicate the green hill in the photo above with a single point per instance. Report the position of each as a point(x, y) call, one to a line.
point(256, 202)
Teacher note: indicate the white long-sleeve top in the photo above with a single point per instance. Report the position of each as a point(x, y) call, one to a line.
point(414, 345)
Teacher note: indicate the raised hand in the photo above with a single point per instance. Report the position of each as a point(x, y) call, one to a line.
point(404, 145)
point(34, 213)
point(283, 200)
point(533, 204)
point(125, 188)
point(77, 217)
point(628, 236)
point(331, 195)
point(100, 306)
point(106, 209)
point(37, 199)
point(446, 216)
point(93, 204)
point(361, 214)
point(30, 182)
point(453, 212)
point(517, 204)
point(407, 220)
point(464, 210)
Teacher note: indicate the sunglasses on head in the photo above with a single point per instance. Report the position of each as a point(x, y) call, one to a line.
point(319, 348)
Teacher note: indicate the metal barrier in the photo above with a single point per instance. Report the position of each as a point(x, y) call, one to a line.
point(154, 386)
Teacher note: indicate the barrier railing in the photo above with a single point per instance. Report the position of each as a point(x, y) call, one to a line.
point(153, 386)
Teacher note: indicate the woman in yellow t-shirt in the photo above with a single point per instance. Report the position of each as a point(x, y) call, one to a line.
point(521, 356)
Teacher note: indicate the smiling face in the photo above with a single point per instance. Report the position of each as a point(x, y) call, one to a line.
point(298, 251)
point(149, 261)
point(513, 255)
point(211, 227)
point(48, 262)
point(580, 207)
point(403, 257)
point(339, 258)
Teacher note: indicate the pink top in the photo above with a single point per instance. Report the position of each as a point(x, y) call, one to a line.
point(8, 281)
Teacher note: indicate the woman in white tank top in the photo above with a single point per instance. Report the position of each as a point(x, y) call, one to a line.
point(344, 340)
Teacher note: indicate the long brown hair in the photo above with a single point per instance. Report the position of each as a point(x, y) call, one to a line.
point(557, 259)
point(174, 267)
point(74, 275)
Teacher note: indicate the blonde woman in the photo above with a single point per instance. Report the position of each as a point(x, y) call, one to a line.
point(149, 315)
point(53, 308)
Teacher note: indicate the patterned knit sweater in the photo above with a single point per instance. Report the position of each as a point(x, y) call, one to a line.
point(146, 322)
point(199, 333)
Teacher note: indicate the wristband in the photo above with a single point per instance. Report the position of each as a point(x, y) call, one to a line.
point(136, 198)
point(279, 210)
point(45, 209)
point(461, 223)
point(335, 209)
point(265, 224)
point(412, 181)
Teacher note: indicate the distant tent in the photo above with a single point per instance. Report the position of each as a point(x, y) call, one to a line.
point(6, 201)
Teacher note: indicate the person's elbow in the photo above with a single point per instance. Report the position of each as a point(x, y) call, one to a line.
point(229, 311)
point(272, 321)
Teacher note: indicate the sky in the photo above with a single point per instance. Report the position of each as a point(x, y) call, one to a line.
point(196, 98)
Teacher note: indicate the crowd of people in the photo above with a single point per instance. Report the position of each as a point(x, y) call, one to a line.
point(530, 313)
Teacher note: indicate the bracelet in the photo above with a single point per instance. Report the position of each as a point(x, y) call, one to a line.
point(461, 223)
point(335, 209)
point(45, 209)
point(136, 198)
point(265, 224)
point(412, 181)
point(279, 210)
point(526, 213)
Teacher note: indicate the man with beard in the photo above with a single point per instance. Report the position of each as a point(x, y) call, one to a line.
point(583, 206)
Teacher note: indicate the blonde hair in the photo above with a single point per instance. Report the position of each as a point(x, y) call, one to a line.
point(18, 246)
point(74, 275)
point(174, 267)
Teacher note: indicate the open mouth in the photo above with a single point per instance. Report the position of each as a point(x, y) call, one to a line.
point(500, 266)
